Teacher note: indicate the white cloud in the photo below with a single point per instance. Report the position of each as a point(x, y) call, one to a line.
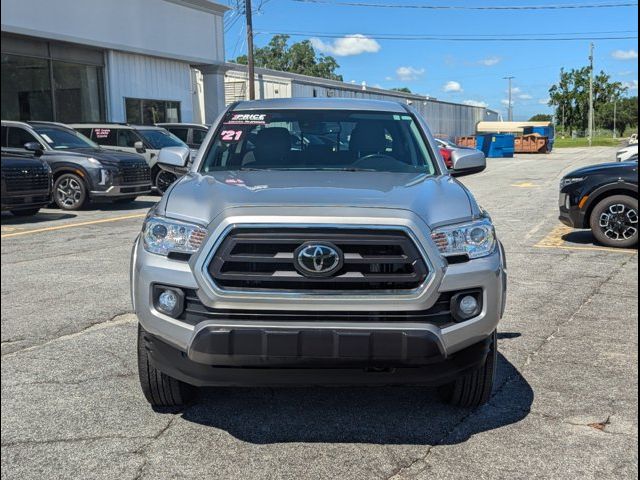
point(388, 79)
point(476, 103)
point(625, 54)
point(625, 73)
point(349, 45)
point(406, 74)
point(490, 61)
point(632, 85)
point(514, 90)
point(505, 102)
point(453, 87)
point(544, 101)
point(525, 96)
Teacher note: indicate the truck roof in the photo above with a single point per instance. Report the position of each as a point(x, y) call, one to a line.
point(321, 104)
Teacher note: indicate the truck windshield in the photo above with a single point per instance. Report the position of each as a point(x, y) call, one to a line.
point(60, 138)
point(318, 140)
point(160, 138)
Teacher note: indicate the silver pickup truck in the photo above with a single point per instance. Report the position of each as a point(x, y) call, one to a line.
point(318, 241)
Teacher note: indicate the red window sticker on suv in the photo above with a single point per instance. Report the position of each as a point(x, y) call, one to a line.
point(247, 119)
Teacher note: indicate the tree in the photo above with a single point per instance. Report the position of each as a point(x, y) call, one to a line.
point(570, 96)
point(402, 89)
point(300, 58)
point(626, 114)
point(541, 117)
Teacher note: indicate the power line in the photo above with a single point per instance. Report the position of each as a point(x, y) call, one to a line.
point(466, 7)
point(477, 38)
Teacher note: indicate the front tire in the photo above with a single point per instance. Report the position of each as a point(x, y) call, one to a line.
point(25, 212)
point(70, 192)
point(159, 389)
point(163, 180)
point(474, 389)
point(614, 221)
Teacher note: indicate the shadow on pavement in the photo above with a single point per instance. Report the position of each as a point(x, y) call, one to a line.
point(10, 219)
point(377, 415)
point(124, 206)
point(580, 237)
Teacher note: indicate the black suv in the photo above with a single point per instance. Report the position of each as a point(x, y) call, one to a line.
point(26, 184)
point(603, 198)
point(82, 171)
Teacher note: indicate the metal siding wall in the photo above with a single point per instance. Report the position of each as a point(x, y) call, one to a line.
point(139, 76)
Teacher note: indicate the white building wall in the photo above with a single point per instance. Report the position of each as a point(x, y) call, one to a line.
point(189, 30)
point(140, 76)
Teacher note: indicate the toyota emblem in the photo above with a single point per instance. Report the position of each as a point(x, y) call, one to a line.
point(318, 259)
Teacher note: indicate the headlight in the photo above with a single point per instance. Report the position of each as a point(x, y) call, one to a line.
point(570, 181)
point(161, 236)
point(477, 239)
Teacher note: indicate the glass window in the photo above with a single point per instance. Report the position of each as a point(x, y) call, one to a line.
point(160, 138)
point(105, 136)
point(78, 92)
point(198, 136)
point(319, 140)
point(26, 88)
point(84, 131)
point(62, 138)
point(18, 137)
point(181, 133)
point(127, 138)
point(149, 112)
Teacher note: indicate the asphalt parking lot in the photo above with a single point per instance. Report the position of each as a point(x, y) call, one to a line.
point(565, 404)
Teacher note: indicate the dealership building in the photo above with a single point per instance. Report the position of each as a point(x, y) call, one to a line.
point(115, 60)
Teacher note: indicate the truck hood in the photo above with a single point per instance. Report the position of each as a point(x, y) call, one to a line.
point(201, 198)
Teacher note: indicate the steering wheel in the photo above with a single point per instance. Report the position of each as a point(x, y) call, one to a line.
point(381, 156)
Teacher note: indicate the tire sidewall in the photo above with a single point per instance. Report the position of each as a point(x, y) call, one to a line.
point(163, 172)
point(83, 187)
point(594, 221)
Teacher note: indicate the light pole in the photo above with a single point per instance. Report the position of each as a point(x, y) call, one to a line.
point(591, 94)
point(615, 112)
point(510, 108)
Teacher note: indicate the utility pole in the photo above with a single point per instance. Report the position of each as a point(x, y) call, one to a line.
point(615, 112)
point(563, 131)
point(510, 111)
point(250, 62)
point(591, 93)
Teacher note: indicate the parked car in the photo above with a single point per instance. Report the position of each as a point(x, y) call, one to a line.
point(627, 153)
point(190, 133)
point(452, 153)
point(82, 171)
point(362, 262)
point(603, 198)
point(145, 140)
point(26, 183)
point(633, 139)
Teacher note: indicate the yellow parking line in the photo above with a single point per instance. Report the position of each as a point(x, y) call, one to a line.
point(525, 185)
point(554, 240)
point(73, 225)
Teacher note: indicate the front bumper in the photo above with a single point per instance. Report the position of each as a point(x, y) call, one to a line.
point(438, 370)
point(121, 191)
point(28, 200)
point(570, 213)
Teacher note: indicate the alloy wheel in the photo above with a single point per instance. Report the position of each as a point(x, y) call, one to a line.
point(69, 192)
point(619, 222)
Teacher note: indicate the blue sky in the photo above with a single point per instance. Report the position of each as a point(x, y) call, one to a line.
point(455, 71)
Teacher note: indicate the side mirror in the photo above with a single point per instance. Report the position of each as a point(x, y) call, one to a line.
point(467, 162)
point(34, 147)
point(174, 159)
point(139, 146)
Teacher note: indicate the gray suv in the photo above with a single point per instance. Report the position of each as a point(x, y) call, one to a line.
point(354, 258)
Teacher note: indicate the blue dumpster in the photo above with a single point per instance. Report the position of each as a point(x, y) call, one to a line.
point(483, 142)
point(501, 145)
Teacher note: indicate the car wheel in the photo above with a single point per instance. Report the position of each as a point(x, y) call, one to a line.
point(25, 212)
point(159, 389)
point(474, 389)
point(70, 192)
point(163, 180)
point(614, 221)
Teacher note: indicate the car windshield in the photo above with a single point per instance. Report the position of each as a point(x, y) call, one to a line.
point(60, 138)
point(160, 138)
point(319, 140)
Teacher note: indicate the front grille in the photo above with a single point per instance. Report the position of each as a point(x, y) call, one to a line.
point(263, 259)
point(22, 179)
point(135, 172)
point(195, 312)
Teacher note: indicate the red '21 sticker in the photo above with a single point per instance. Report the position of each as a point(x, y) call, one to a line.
point(231, 135)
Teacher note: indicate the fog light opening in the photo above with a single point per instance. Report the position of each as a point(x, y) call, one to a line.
point(466, 305)
point(169, 301)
